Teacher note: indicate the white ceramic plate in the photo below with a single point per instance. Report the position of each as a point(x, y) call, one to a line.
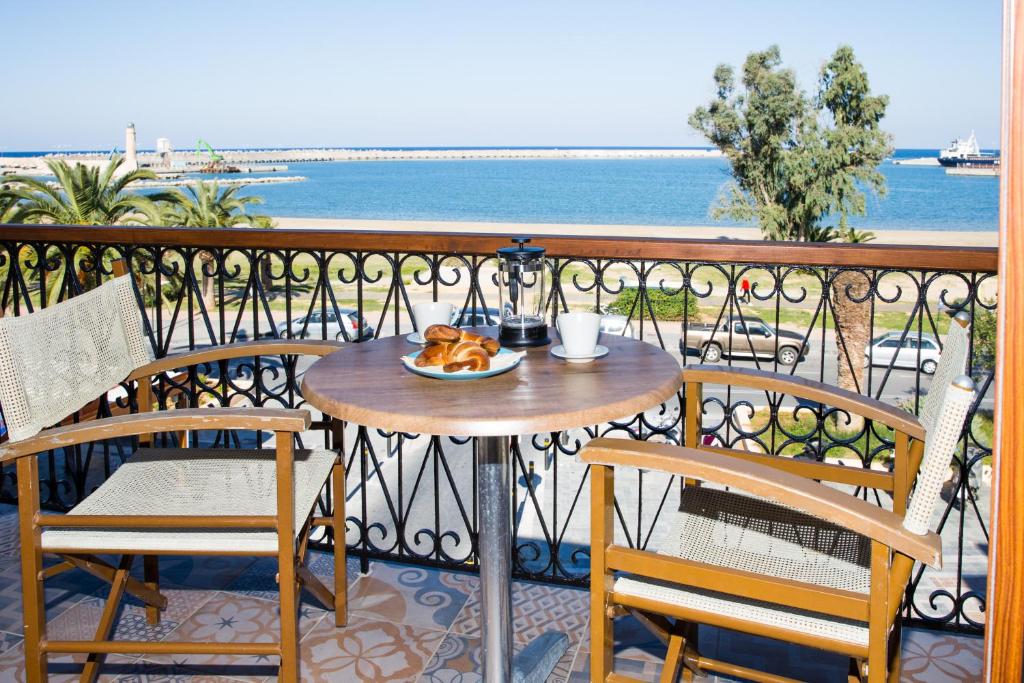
point(503, 362)
point(416, 338)
point(559, 352)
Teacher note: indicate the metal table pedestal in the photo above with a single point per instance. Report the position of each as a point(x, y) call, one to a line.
point(536, 661)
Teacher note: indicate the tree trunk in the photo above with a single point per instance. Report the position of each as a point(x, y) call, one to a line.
point(853, 330)
point(205, 259)
point(265, 278)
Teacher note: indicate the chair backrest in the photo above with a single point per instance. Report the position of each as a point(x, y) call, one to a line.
point(952, 363)
point(940, 444)
point(56, 360)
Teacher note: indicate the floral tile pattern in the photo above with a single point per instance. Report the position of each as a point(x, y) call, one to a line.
point(638, 669)
point(458, 660)
point(199, 571)
point(62, 591)
point(931, 657)
point(367, 650)
point(230, 618)
point(412, 595)
point(62, 668)
point(258, 580)
point(536, 608)
point(9, 543)
point(405, 624)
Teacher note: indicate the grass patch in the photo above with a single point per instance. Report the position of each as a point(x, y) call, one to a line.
point(807, 425)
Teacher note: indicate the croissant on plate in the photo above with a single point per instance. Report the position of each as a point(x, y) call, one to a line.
point(449, 334)
point(467, 355)
point(464, 355)
point(434, 354)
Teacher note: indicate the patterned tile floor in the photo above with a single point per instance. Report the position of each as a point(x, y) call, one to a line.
point(405, 624)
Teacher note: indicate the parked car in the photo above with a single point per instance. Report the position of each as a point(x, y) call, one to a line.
point(910, 351)
point(312, 326)
point(619, 325)
point(749, 334)
point(476, 316)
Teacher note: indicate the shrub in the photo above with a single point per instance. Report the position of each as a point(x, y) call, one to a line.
point(666, 305)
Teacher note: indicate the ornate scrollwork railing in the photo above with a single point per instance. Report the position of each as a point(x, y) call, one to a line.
point(412, 497)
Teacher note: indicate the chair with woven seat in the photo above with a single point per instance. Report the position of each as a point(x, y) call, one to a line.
point(161, 501)
point(780, 554)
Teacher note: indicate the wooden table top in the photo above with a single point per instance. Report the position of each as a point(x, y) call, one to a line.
point(367, 384)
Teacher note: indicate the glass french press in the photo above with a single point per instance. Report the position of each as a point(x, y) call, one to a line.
point(522, 290)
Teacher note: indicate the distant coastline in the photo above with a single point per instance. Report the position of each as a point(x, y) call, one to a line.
point(187, 160)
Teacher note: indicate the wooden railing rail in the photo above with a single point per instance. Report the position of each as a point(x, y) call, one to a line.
point(951, 258)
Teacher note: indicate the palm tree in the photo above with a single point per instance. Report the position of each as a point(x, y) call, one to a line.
point(207, 205)
point(852, 304)
point(81, 195)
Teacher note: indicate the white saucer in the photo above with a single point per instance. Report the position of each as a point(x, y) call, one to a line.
point(415, 338)
point(599, 352)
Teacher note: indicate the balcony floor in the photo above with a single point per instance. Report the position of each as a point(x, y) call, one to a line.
point(405, 624)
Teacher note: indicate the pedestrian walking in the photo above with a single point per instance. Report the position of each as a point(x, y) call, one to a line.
point(745, 291)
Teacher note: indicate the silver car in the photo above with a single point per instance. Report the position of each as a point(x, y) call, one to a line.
point(618, 325)
point(324, 325)
point(911, 351)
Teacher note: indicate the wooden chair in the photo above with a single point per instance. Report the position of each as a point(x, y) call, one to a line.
point(162, 501)
point(779, 554)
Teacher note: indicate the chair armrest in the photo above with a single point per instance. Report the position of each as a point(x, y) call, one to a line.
point(775, 485)
point(270, 419)
point(865, 406)
point(264, 347)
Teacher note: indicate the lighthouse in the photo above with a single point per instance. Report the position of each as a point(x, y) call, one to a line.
point(131, 161)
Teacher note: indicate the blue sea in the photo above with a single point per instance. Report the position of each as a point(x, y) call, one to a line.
point(631, 191)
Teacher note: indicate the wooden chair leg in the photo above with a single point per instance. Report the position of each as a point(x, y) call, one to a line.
point(97, 567)
point(338, 529)
point(878, 613)
point(691, 654)
point(674, 657)
point(602, 639)
point(895, 652)
point(33, 601)
point(151, 576)
point(91, 671)
point(286, 561)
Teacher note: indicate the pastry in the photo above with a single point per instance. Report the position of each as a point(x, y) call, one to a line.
point(433, 354)
point(447, 333)
point(467, 355)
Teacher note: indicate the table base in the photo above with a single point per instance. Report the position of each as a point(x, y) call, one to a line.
point(535, 663)
point(538, 659)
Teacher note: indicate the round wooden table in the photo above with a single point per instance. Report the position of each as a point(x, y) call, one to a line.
point(367, 384)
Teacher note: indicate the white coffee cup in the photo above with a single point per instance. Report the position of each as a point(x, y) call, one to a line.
point(579, 332)
point(432, 313)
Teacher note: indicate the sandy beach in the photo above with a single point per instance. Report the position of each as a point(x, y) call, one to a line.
point(921, 237)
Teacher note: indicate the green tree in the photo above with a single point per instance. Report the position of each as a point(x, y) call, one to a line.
point(81, 195)
point(984, 325)
point(801, 166)
point(207, 205)
point(796, 161)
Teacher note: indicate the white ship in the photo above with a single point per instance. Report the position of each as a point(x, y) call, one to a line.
point(966, 153)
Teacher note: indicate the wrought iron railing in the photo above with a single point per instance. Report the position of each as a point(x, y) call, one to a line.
point(412, 497)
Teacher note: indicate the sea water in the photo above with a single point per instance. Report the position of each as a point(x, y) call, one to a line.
point(677, 192)
point(599, 191)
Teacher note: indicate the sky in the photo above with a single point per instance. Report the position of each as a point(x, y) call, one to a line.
point(453, 73)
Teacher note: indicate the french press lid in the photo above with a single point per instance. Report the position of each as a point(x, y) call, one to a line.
point(521, 252)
